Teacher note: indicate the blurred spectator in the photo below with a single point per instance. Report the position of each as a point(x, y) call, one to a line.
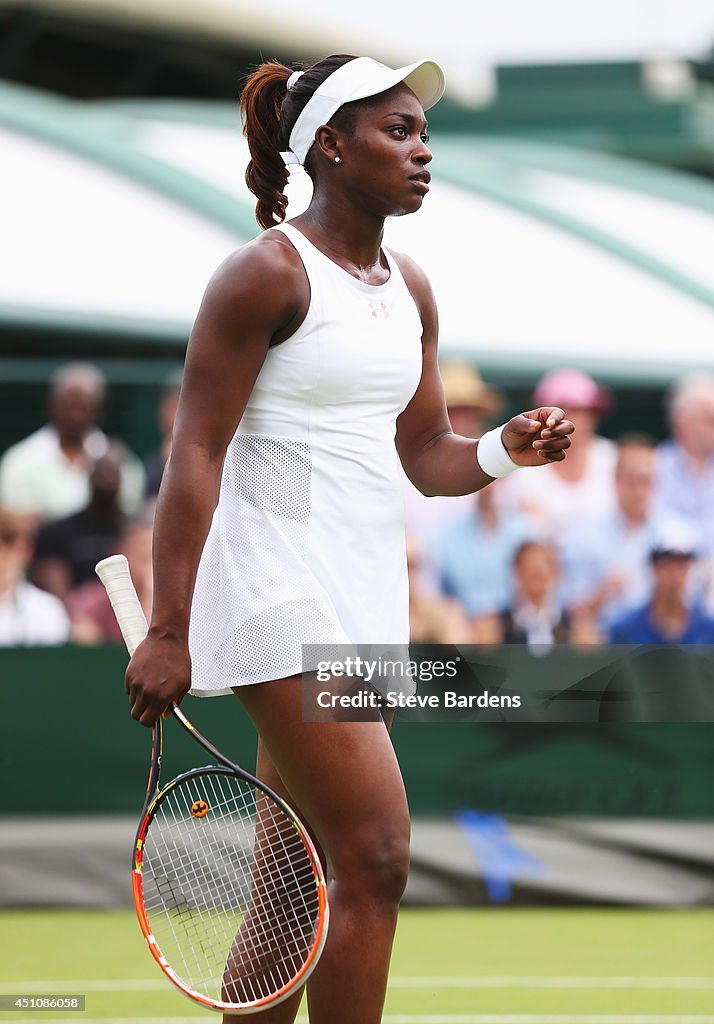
point(28, 617)
point(606, 558)
point(536, 616)
point(167, 414)
point(685, 465)
point(93, 621)
point(668, 617)
point(707, 585)
point(433, 619)
point(558, 495)
point(66, 550)
point(473, 555)
point(47, 475)
point(471, 405)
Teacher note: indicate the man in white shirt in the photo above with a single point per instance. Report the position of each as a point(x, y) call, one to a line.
point(46, 476)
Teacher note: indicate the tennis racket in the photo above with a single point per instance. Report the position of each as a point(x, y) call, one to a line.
point(227, 884)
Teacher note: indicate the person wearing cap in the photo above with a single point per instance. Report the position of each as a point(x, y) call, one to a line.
point(311, 372)
point(584, 485)
point(669, 616)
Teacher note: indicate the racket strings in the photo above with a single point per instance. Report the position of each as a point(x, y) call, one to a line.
point(198, 927)
point(206, 887)
point(231, 897)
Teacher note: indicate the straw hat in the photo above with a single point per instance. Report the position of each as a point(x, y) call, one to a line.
point(465, 387)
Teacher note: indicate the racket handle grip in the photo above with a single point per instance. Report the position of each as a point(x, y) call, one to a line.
point(114, 574)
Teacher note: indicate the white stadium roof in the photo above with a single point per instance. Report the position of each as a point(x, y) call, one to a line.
point(117, 214)
point(469, 37)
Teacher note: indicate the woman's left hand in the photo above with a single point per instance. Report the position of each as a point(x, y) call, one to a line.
point(537, 437)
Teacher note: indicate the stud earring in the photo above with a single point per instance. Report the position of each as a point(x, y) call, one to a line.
point(338, 159)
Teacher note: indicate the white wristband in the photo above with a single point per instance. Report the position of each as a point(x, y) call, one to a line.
point(492, 455)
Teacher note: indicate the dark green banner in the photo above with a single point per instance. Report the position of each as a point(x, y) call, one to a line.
point(67, 745)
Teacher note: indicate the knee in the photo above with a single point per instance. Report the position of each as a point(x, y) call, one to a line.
point(378, 865)
point(389, 868)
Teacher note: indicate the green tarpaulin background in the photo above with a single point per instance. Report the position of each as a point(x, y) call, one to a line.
point(68, 746)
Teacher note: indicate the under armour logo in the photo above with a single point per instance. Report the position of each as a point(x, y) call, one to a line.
point(380, 310)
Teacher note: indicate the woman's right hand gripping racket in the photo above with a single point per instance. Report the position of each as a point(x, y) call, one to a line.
point(228, 886)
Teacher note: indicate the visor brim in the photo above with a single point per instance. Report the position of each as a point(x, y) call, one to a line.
point(425, 78)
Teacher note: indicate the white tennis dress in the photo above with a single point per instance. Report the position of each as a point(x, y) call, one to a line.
point(307, 541)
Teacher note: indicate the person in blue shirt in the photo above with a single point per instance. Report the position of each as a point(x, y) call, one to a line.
point(606, 558)
point(473, 556)
point(668, 617)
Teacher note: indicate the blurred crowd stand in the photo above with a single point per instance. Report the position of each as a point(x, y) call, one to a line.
point(586, 551)
point(615, 544)
point(70, 496)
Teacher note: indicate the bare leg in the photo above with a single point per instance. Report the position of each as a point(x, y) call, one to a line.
point(344, 779)
point(285, 1012)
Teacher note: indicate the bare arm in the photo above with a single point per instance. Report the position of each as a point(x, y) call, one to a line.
point(258, 296)
point(436, 460)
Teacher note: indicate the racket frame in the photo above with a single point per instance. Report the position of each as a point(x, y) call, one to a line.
point(108, 570)
point(137, 884)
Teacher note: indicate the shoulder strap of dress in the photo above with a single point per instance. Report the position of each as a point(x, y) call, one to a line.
point(397, 278)
point(307, 252)
point(395, 271)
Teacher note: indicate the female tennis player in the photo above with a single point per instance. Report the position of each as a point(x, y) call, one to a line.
point(311, 373)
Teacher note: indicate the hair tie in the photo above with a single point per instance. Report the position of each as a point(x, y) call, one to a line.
point(293, 79)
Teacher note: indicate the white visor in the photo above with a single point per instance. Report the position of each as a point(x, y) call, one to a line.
point(356, 80)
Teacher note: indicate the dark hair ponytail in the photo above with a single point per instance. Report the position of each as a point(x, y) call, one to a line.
point(269, 115)
point(266, 175)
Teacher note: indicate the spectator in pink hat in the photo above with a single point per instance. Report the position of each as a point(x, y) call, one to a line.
point(585, 484)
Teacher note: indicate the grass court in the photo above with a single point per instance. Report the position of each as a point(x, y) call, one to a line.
point(461, 966)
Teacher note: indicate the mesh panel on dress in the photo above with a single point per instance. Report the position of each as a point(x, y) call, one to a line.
point(271, 473)
point(274, 637)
